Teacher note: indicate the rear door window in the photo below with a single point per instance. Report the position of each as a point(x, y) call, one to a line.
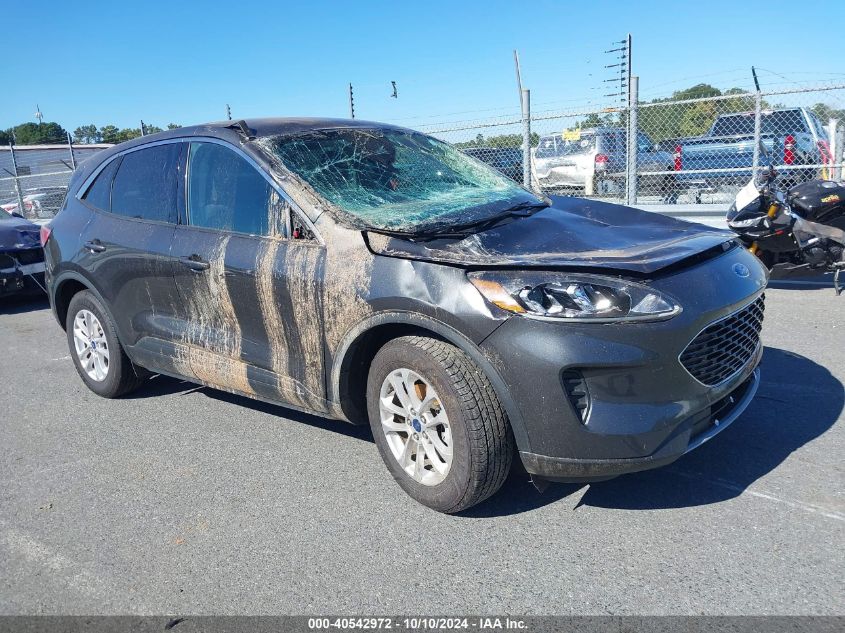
point(146, 184)
point(99, 193)
point(226, 192)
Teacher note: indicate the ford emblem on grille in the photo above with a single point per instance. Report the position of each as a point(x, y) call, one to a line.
point(741, 270)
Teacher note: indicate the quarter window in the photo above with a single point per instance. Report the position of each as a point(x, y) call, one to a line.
point(146, 184)
point(99, 193)
point(225, 192)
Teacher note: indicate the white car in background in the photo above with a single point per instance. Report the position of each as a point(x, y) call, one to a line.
point(593, 160)
point(39, 205)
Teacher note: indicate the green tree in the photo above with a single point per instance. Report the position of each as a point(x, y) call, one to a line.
point(173, 126)
point(109, 134)
point(127, 134)
point(87, 134)
point(826, 113)
point(151, 129)
point(502, 140)
point(39, 133)
point(673, 120)
point(5, 137)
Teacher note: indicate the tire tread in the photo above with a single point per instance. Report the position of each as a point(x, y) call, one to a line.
point(490, 435)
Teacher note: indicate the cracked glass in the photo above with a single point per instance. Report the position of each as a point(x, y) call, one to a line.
point(396, 179)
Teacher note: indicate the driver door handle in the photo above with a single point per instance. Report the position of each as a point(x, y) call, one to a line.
point(95, 246)
point(195, 263)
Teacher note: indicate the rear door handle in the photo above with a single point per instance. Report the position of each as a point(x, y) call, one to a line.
point(95, 246)
point(195, 263)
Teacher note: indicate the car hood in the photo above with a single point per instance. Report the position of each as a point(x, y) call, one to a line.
point(16, 234)
point(573, 232)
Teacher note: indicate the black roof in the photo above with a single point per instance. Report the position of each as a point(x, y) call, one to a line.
point(269, 126)
point(228, 130)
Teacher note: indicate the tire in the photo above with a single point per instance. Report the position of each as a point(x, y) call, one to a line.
point(121, 376)
point(767, 258)
point(480, 436)
point(669, 192)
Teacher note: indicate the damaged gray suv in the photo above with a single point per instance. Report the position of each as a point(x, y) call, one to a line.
point(376, 275)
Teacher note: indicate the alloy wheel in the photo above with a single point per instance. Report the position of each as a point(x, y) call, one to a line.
point(416, 426)
point(92, 349)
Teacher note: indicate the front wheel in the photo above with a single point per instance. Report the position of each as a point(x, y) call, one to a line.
point(767, 258)
point(438, 424)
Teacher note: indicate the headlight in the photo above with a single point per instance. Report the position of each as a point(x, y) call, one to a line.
point(573, 296)
point(741, 224)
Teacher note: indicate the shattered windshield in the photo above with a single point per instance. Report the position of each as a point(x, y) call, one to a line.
point(396, 179)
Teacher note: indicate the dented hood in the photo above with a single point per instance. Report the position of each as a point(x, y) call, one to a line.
point(573, 232)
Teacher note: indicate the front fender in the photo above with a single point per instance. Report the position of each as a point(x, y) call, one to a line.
point(442, 330)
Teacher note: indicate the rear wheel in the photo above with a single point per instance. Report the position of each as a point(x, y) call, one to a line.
point(438, 424)
point(97, 354)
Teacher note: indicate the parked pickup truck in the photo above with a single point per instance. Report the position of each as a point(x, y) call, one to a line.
point(725, 155)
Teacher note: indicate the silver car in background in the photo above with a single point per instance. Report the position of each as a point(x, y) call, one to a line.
point(593, 160)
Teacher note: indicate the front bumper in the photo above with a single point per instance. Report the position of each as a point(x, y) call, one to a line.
point(592, 401)
point(689, 435)
point(16, 277)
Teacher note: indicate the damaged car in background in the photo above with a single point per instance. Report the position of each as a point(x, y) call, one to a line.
point(376, 275)
point(21, 257)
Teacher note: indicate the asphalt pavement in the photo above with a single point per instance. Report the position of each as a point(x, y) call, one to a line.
point(184, 500)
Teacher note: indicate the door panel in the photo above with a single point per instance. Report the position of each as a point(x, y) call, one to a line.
point(126, 246)
point(130, 262)
point(251, 318)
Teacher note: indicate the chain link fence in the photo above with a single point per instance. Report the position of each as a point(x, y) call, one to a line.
point(34, 178)
point(689, 152)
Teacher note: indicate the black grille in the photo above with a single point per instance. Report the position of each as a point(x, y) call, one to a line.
point(725, 347)
point(579, 395)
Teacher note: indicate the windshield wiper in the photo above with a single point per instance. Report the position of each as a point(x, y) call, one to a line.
point(521, 210)
point(460, 231)
point(420, 236)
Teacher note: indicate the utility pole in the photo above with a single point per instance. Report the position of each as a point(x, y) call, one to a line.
point(70, 149)
point(629, 66)
point(758, 122)
point(18, 192)
point(143, 129)
point(518, 75)
point(38, 114)
point(351, 103)
point(228, 112)
point(624, 65)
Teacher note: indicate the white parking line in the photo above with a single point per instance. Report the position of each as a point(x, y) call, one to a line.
point(799, 505)
point(45, 558)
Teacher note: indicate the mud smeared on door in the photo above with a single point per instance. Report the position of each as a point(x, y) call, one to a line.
point(289, 296)
point(213, 337)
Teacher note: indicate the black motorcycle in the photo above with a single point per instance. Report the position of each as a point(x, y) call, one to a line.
point(804, 226)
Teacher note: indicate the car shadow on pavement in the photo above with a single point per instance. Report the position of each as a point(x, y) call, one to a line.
point(798, 400)
point(18, 304)
point(164, 385)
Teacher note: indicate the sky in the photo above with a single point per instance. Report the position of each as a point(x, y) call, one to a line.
point(182, 61)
